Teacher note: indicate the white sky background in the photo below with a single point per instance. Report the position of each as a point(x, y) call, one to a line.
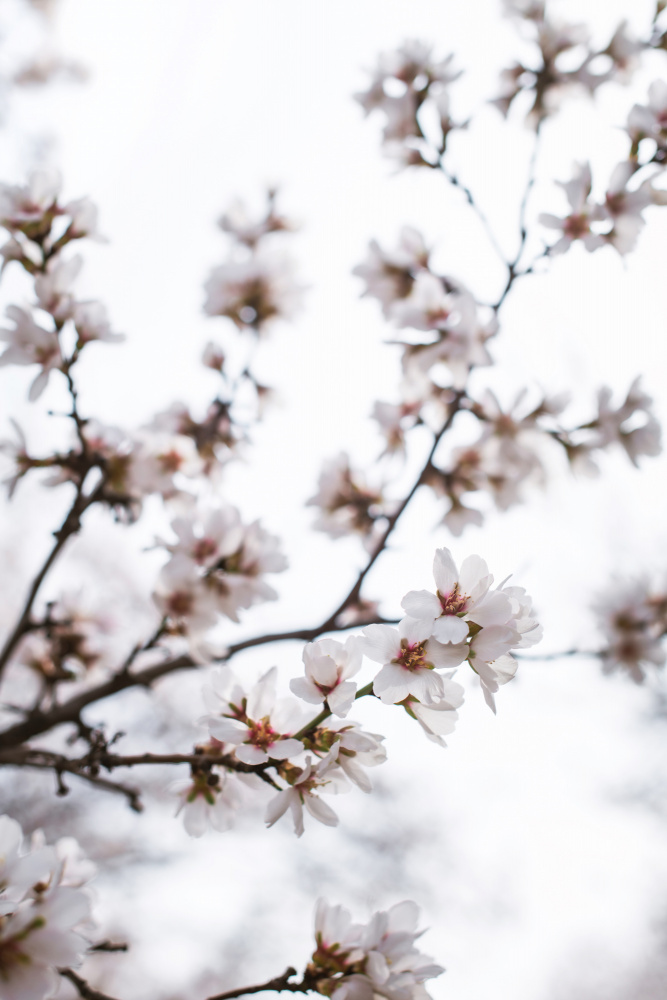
point(528, 842)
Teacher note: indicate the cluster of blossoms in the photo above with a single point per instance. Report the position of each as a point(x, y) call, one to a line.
point(409, 88)
point(549, 77)
point(413, 297)
point(377, 959)
point(217, 567)
point(464, 620)
point(509, 447)
point(40, 228)
point(42, 910)
point(633, 620)
point(616, 221)
point(347, 504)
point(66, 642)
point(257, 285)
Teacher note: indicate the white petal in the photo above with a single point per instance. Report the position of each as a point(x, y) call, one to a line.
point(449, 628)
point(382, 643)
point(421, 604)
point(444, 571)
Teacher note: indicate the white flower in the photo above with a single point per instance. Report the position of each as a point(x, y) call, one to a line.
point(254, 292)
point(347, 504)
point(393, 964)
point(53, 288)
point(461, 597)
point(329, 664)
point(92, 323)
point(438, 718)
point(24, 207)
point(616, 425)
point(258, 726)
point(409, 657)
point(157, 458)
point(326, 777)
point(30, 344)
point(38, 916)
point(633, 618)
point(488, 657)
point(577, 225)
point(358, 749)
point(390, 274)
point(83, 219)
point(650, 121)
point(208, 801)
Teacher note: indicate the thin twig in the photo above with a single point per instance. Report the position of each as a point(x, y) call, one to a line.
point(472, 201)
point(39, 722)
point(278, 985)
point(85, 991)
point(70, 526)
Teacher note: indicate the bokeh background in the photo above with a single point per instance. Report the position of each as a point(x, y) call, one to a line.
point(535, 842)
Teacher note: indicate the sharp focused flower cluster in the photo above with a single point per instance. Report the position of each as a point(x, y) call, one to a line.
point(42, 908)
point(463, 620)
point(377, 959)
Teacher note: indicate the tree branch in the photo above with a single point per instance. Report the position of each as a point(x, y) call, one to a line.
point(279, 985)
point(84, 990)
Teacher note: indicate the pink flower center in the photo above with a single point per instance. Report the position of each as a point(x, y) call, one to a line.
point(412, 657)
point(203, 549)
point(454, 602)
point(261, 733)
point(576, 226)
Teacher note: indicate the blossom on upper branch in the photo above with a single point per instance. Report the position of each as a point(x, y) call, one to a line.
point(404, 82)
point(390, 274)
point(347, 505)
point(31, 344)
point(633, 619)
point(577, 225)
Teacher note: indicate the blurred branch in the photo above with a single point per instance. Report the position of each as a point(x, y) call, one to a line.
point(70, 526)
point(84, 990)
point(279, 985)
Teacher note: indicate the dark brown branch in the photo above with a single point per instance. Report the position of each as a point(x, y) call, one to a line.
point(39, 721)
point(44, 760)
point(71, 525)
point(84, 990)
point(278, 985)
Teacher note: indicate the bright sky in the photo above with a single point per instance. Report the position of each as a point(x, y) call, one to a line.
point(529, 842)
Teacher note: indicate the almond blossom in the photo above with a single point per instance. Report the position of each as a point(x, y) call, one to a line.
point(329, 664)
point(24, 207)
point(208, 801)
point(324, 776)
point(39, 918)
point(31, 344)
point(577, 225)
point(409, 658)
point(254, 293)
point(377, 959)
point(257, 725)
point(461, 597)
point(390, 274)
point(437, 718)
point(633, 619)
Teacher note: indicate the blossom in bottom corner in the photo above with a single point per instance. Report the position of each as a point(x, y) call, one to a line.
point(39, 918)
